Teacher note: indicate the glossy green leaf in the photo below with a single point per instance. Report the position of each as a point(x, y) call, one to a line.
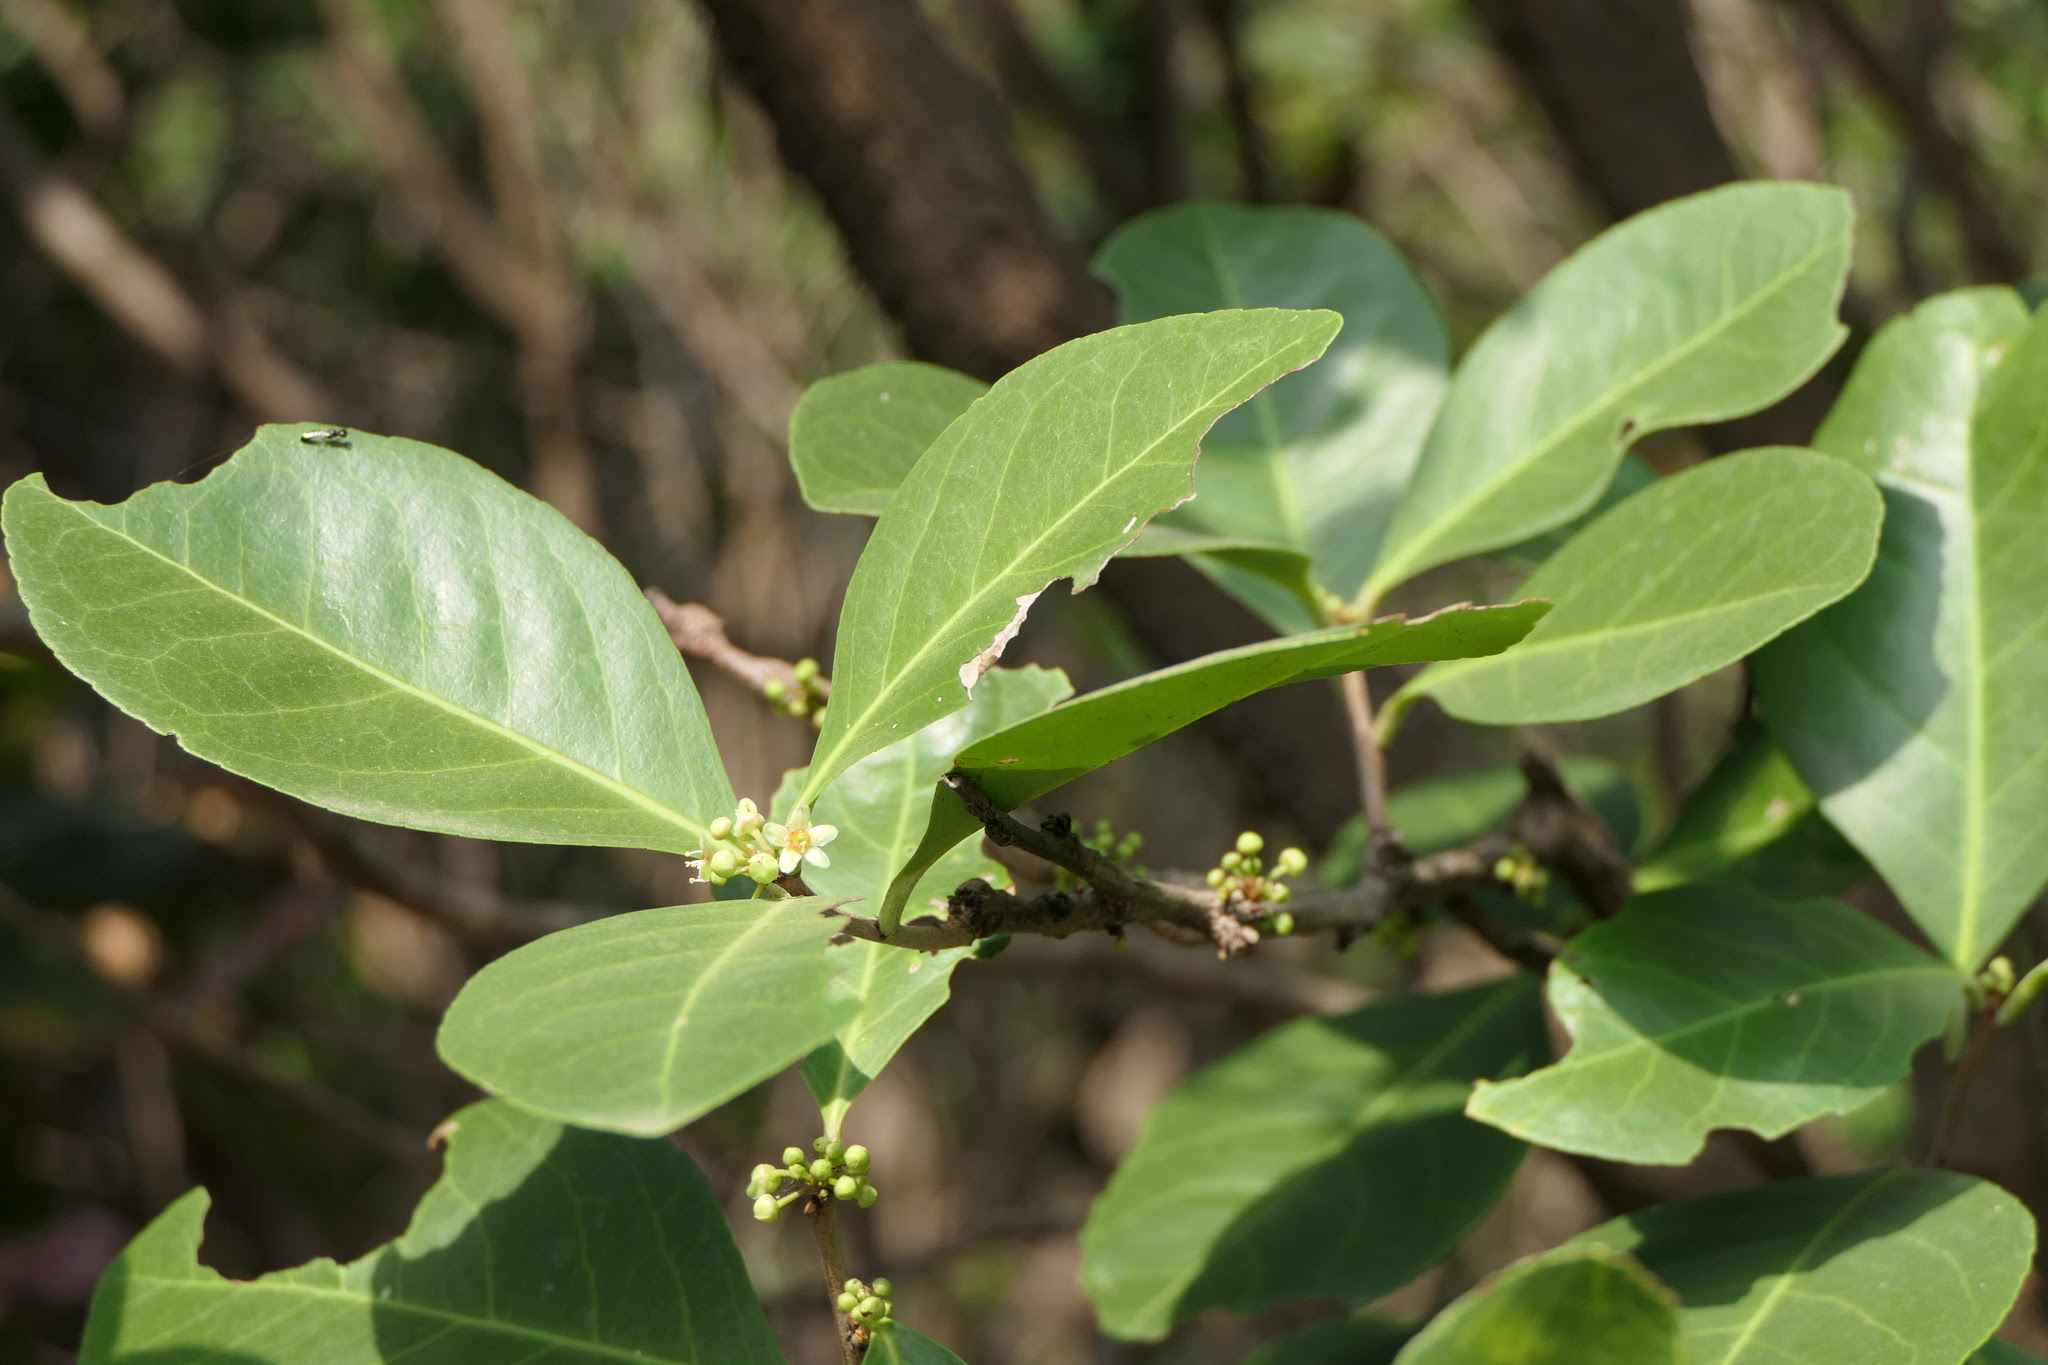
point(1577, 1305)
point(1034, 757)
point(385, 629)
point(1753, 818)
point(1358, 1340)
point(1716, 1007)
point(1046, 477)
point(1914, 708)
point(538, 1243)
point(1318, 461)
point(642, 1022)
point(879, 806)
point(854, 436)
point(1329, 1156)
point(1701, 309)
point(1631, 476)
point(895, 1344)
point(1892, 1267)
point(1685, 577)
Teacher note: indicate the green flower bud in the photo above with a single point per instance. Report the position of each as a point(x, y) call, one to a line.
point(766, 1210)
point(725, 862)
point(883, 1287)
point(1283, 924)
point(848, 1301)
point(821, 1169)
point(1293, 862)
point(856, 1159)
point(763, 868)
point(867, 1196)
point(819, 1144)
point(805, 670)
point(721, 828)
point(1231, 861)
point(836, 1150)
point(792, 1156)
point(1279, 893)
point(1249, 843)
point(847, 1187)
point(1215, 878)
point(774, 689)
point(870, 1307)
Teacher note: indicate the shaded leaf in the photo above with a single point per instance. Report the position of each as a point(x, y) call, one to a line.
point(1046, 477)
point(1753, 818)
point(538, 1242)
point(1027, 760)
point(1716, 1007)
point(854, 436)
point(1893, 1267)
point(879, 807)
point(1358, 1340)
point(1701, 309)
point(1685, 577)
point(1271, 579)
point(385, 629)
point(1913, 708)
point(895, 1344)
point(642, 1022)
point(1330, 1156)
point(1577, 1305)
point(1317, 461)
point(1996, 1352)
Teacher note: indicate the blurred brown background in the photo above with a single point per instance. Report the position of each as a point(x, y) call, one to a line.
point(601, 247)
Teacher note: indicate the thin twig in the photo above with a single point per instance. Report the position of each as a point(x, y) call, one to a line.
point(823, 1213)
point(1533, 950)
point(699, 632)
point(1372, 767)
point(1564, 833)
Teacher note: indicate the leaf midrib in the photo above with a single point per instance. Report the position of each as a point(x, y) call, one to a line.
point(824, 763)
point(1383, 576)
point(376, 1305)
point(395, 683)
point(777, 915)
point(1783, 1284)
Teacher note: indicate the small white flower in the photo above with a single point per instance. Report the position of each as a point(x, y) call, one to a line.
point(800, 841)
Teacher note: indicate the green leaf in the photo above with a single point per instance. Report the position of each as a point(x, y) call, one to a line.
point(1753, 818)
point(642, 1022)
point(854, 436)
point(1577, 1305)
point(1716, 1007)
point(879, 807)
point(895, 1344)
point(1996, 1352)
point(1702, 309)
point(1271, 579)
point(385, 629)
point(1685, 577)
point(1318, 461)
point(1330, 1156)
point(1631, 476)
point(1894, 1267)
point(1046, 477)
point(1029, 759)
point(1913, 708)
point(538, 1242)
point(1358, 1340)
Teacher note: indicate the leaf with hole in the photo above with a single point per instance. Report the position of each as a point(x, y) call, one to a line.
point(854, 436)
point(1716, 1007)
point(1033, 757)
point(385, 629)
point(1889, 1267)
point(538, 1242)
point(1913, 708)
point(1685, 577)
point(1701, 309)
point(642, 1022)
point(1576, 1305)
point(878, 806)
point(1045, 477)
point(1330, 1156)
point(1317, 461)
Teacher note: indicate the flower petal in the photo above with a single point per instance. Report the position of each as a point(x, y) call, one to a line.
point(776, 835)
point(823, 834)
point(816, 858)
point(790, 858)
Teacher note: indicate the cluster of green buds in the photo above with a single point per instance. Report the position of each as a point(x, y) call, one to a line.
point(866, 1306)
point(1106, 841)
point(1241, 878)
point(806, 698)
point(1520, 870)
point(837, 1171)
point(748, 844)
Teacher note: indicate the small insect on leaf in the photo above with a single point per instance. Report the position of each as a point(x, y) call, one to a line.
point(325, 436)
